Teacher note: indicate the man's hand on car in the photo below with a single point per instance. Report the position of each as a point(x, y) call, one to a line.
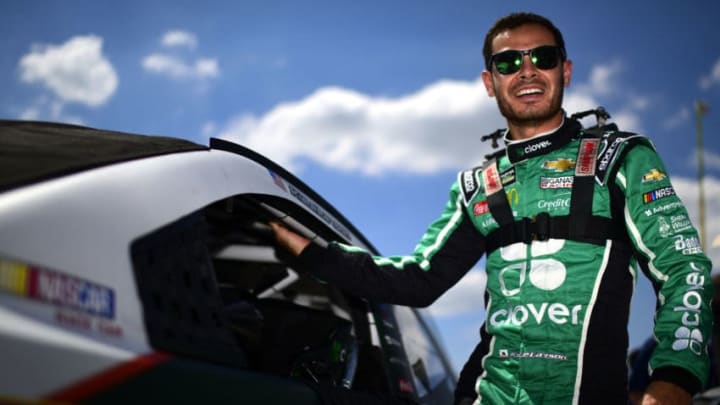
point(289, 240)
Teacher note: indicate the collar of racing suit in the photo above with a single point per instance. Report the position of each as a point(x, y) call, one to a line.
point(517, 151)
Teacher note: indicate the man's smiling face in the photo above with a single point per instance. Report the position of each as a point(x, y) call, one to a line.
point(530, 97)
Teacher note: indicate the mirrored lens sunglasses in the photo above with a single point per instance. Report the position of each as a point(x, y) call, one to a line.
point(543, 57)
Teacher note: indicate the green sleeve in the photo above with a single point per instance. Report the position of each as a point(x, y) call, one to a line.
point(669, 253)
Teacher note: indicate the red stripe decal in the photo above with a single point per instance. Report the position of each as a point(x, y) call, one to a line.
point(105, 379)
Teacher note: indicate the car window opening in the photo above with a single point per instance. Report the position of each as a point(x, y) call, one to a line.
point(214, 287)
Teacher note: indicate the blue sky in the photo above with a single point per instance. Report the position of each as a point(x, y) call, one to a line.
point(374, 104)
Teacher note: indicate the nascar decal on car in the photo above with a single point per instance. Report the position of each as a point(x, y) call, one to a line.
point(653, 175)
point(559, 165)
point(76, 320)
point(658, 194)
point(50, 286)
point(556, 182)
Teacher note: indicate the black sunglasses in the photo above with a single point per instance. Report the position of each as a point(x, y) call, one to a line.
point(543, 57)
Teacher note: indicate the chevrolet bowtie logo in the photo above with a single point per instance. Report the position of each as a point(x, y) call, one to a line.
point(653, 175)
point(559, 165)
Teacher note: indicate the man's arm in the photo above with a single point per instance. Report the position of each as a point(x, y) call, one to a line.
point(448, 249)
point(669, 253)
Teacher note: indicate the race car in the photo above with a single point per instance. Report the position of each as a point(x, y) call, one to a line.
point(141, 269)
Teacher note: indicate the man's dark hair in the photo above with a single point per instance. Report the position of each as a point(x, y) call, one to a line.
point(515, 20)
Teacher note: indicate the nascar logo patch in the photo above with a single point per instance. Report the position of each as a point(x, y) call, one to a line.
point(658, 194)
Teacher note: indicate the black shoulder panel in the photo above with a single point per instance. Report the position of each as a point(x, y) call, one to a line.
point(35, 151)
point(613, 147)
point(469, 184)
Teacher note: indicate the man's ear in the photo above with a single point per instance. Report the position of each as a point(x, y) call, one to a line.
point(488, 81)
point(567, 72)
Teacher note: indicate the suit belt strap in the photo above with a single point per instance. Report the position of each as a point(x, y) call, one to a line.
point(542, 227)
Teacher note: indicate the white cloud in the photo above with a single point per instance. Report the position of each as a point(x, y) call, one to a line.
point(677, 119)
point(206, 67)
point(605, 83)
point(712, 160)
point(178, 38)
point(45, 108)
point(688, 191)
point(177, 66)
point(75, 71)
point(179, 69)
point(435, 128)
point(208, 129)
point(603, 78)
point(712, 78)
point(464, 297)
point(628, 119)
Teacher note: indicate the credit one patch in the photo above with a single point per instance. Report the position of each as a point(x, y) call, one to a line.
point(49, 286)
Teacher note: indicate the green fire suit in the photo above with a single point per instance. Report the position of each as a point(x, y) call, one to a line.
point(565, 220)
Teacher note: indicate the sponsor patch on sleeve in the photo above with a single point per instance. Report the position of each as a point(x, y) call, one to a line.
point(468, 185)
point(653, 175)
point(481, 208)
point(491, 179)
point(673, 224)
point(658, 194)
point(688, 245)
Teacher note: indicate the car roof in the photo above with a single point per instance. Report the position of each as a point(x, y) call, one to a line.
point(35, 151)
point(32, 151)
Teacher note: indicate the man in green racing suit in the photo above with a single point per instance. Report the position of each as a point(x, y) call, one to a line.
point(565, 218)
